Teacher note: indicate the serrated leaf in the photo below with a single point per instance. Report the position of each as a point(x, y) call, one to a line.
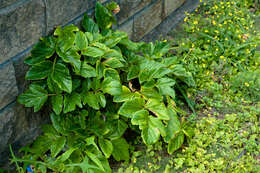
point(158, 108)
point(133, 72)
point(95, 159)
point(57, 146)
point(121, 148)
point(151, 127)
point(35, 97)
point(129, 108)
point(89, 25)
point(61, 76)
point(43, 49)
point(110, 72)
point(57, 103)
point(113, 63)
point(66, 37)
point(150, 69)
point(106, 146)
point(65, 156)
point(71, 101)
point(118, 127)
point(150, 135)
point(173, 125)
point(151, 93)
point(176, 143)
point(87, 70)
point(52, 86)
point(81, 40)
point(111, 86)
point(91, 99)
point(101, 99)
point(125, 95)
point(39, 71)
point(93, 52)
point(103, 16)
point(72, 57)
point(165, 86)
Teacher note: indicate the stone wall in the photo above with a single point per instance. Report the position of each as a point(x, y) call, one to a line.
point(23, 22)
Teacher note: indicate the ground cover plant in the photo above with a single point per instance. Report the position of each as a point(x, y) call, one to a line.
point(103, 92)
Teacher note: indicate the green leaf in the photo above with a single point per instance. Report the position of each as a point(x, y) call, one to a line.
point(91, 99)
point(57, 103)
point(89, 25)
point(87, 70)
point(39, 71)
point(70, 102)
point(150, 69)
point(35, 97)
point(121, 148)
point(115, 38)
point(158, 108)
point(93, 52)
point(151, 127)
point(118, 128)
point(129, 108)
point(133, 72)
point(43, 49)
point(110, 72)
point(61, 76)
point(81, 40)
point(113, 63)
point(101, 99)
point(111, 86)
point(57, 146)
point(103, 16)
point(72, 57)
point(151, 93)
point(106, 146)
point(173, 126)
point(129, 44)
point(65, 156)
point(165, 86)
point(95, 159)
point(66, 37)
point(85, 166)
point(151, 133)
point(176, 143)
point(125, 95)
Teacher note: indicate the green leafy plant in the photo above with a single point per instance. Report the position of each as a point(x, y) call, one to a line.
point(98, 84)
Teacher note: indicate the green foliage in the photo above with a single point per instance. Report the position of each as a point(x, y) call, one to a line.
point(99, 84)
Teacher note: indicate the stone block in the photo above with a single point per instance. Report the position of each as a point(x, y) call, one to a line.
point(20, 28)
point(20, 70)
point(60, 12)
point(172, 5)
point(147, 20)
point(6, 3)
point(18, 127)
point(129, 7)
point(128, 28)
point(8, 88)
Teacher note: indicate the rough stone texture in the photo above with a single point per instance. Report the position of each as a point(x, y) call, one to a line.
point(5, 3)
point(171, 21)
point(18, 127)
point(147, 20)
point(128, 28)
point(8, 88)
point(171, 5)
point(60, 12)
point(20, 29)
point(129, 7)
